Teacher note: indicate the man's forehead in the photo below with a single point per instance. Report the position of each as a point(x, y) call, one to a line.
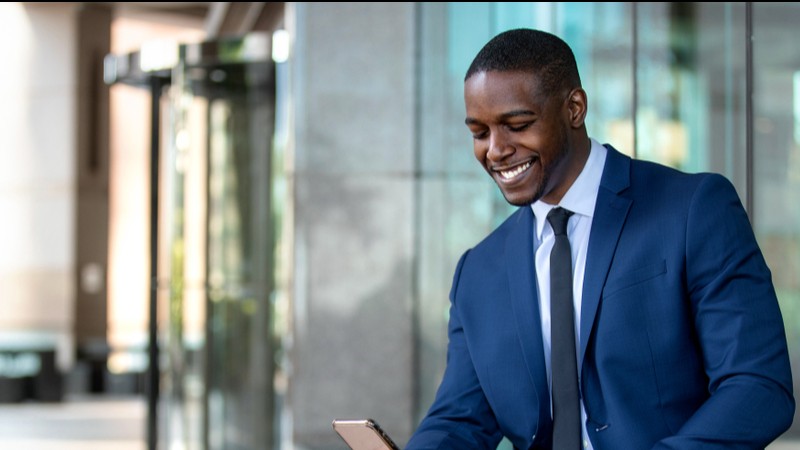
point(502, 90)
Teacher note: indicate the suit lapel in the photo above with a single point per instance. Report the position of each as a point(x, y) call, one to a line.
point(525, 302)
point(610, 213)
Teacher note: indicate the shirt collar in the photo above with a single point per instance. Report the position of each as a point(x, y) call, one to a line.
point(582, 195)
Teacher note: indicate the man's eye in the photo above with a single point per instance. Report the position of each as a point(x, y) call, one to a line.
point(479, 135)
point(519, 127)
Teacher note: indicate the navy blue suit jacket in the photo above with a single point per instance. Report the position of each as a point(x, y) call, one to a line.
point(681, 339)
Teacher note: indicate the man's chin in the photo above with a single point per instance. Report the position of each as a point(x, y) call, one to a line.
point(521, 199)
point(523, 195)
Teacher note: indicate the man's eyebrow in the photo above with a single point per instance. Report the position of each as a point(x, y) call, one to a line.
point(503, 117)
point(516, 113)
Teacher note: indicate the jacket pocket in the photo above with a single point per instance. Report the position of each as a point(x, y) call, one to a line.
point(634, 277)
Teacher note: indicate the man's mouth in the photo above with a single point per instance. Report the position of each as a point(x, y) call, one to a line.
point(513, 172)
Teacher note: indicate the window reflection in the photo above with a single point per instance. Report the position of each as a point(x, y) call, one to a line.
point(776, 162)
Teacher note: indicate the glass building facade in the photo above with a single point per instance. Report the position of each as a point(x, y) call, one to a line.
point(696, 86)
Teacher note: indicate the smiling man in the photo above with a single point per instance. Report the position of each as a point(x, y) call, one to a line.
point(624, 305)
point(522, 137)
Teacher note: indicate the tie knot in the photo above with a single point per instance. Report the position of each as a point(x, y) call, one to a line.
point(558, 218)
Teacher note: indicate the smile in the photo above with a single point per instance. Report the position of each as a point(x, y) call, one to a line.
point(514, 171)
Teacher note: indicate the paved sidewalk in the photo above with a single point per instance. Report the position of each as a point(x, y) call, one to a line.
point(80, 423)
point(785, 445)
point(98, 423)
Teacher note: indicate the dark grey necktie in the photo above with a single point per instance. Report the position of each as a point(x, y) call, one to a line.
point(566, 403)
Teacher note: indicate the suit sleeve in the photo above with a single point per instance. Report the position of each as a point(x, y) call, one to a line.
point(739, 328)
point(460, 417)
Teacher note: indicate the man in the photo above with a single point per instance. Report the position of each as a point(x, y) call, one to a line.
point(677, 342)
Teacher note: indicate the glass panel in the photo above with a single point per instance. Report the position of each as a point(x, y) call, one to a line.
point(600, 34)
point(776, 163)
point(183, 227)
point(170, 272)
point(691, 87)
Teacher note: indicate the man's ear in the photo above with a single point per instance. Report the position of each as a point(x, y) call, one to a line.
point(576, 105)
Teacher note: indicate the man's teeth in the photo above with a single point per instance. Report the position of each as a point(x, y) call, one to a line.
point(509, 174)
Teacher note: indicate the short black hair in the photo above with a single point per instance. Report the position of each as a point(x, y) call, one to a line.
point(533, 51)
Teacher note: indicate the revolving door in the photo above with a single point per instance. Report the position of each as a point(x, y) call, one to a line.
point(211, 351)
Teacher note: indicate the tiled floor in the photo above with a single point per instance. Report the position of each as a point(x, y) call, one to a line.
point(79, 423)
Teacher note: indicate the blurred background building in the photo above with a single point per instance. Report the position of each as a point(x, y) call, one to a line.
point(241, 219)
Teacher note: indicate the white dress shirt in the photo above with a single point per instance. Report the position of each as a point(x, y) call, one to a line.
point(580, 199)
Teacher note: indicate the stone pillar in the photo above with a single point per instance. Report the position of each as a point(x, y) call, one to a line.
point(353, 78)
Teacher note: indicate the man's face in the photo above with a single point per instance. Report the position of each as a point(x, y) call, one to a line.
point(521, 136)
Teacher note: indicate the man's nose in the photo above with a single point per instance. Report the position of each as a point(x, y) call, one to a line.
point(499, 147)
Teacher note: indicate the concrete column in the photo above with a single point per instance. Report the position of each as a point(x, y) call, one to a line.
point(353, 78)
